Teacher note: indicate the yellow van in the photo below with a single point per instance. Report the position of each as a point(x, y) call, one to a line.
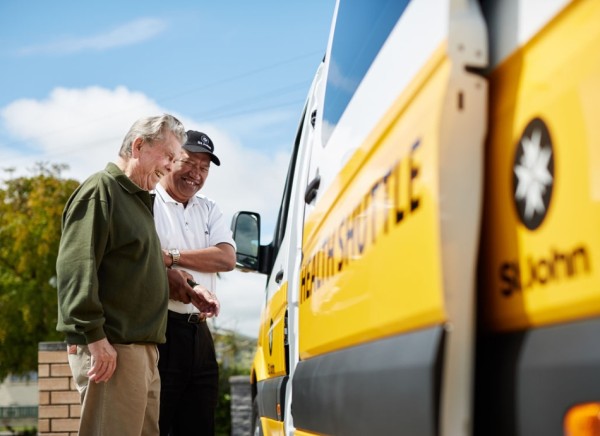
point(433, 267)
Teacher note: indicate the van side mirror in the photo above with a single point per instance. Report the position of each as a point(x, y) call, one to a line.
point(245, 227)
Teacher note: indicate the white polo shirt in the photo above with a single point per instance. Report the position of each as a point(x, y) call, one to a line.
point(200, 224)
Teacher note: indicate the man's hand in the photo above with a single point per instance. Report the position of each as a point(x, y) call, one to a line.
point(104, 361)
point(206, 301)
point(179, 289)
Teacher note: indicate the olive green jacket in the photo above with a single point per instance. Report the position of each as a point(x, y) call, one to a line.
point(111, 278)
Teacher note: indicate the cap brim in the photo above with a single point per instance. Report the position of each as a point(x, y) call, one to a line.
point(199, 149)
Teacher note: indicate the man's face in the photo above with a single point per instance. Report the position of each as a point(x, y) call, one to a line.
point(153, 161)
point(189, 174)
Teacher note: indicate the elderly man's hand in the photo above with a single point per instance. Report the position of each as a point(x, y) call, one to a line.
point(104, 361)
point(179, 289)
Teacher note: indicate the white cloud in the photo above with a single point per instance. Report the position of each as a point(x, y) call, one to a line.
point(242, 296)
point(80, 127)
point(338, 79)
point(130, 33)
point(84, 129)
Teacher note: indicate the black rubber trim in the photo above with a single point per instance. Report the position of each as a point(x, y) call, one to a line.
point(527, 381)
point(380, 388)
point(271, 392)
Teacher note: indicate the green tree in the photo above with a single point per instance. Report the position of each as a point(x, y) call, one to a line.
point(30, 219)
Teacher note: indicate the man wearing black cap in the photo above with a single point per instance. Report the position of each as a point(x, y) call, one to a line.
point(196, 240)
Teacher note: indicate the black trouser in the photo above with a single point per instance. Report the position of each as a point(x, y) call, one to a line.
point(189, 376)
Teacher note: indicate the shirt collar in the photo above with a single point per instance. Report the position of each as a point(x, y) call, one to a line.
point(130, 186)
point(166, 198)
point(125, 182)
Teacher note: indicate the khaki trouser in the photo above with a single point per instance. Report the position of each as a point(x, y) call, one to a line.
point(129, 403)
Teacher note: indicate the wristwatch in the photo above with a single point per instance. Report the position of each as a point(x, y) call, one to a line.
point(175, 255)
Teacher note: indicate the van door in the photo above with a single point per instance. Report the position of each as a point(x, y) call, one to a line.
point(276, 354)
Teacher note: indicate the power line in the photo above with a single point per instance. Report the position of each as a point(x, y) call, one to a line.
point(241, 76)
point(217, 111)
point(245, 111)
point(178, 94)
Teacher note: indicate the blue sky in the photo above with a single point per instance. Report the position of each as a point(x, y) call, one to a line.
point(76, 75)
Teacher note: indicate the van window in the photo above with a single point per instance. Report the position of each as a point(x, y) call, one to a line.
point(282, 217)
point(361, 29)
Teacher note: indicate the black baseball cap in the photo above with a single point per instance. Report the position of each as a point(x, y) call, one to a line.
point(198, 142)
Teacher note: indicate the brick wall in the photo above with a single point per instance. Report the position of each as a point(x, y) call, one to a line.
point(59, 408)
